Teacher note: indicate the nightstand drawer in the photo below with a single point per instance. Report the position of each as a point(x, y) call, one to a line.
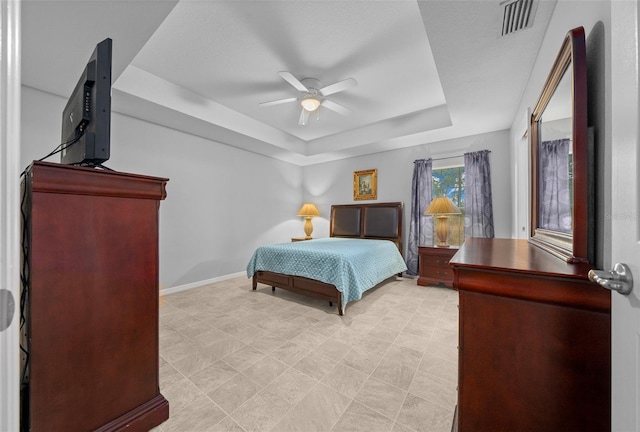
point(438, 272)
point(438, 261)
point(434, 265)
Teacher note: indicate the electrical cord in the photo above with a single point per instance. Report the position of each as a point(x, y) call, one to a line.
point(63, 146)
point(24, 280)
point(24, 271)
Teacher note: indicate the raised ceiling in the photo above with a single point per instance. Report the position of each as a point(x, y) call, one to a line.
point(427, 70)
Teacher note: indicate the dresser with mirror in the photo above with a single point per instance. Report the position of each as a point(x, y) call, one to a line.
point(534, 332)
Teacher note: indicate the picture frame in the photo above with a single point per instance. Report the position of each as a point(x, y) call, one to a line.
point(365, 185)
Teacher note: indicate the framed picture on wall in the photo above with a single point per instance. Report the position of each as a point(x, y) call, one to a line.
point(365, 185)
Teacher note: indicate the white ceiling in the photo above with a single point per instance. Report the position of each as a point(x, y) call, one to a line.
point(427, 70)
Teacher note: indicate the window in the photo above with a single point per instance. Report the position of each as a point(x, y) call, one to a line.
point(449, 182)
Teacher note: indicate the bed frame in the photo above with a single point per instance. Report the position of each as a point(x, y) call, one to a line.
point(379, 221)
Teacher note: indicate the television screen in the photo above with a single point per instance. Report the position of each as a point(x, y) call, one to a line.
point(86, 119)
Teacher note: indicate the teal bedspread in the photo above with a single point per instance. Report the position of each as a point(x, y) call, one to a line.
point(352, 265)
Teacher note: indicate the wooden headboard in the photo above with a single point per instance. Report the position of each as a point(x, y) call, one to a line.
point(382, 221)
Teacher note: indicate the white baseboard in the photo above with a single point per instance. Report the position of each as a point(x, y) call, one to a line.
point(175, 289)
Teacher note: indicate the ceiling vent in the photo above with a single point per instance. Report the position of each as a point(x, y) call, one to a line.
point(517, 15)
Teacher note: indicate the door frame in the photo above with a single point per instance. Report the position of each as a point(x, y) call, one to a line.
point(624, 225)
point(10, 13)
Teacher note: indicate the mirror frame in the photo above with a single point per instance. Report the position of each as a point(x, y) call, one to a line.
point(574, 247)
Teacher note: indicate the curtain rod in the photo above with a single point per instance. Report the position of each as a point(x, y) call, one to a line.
point(437, 159)
point(451, 157)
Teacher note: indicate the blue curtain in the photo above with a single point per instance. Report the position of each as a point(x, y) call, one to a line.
point(478, 204)
point(421, 226)
point(555, 197)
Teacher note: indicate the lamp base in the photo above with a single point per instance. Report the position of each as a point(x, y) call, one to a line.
point(308, 227)
point(442, 231)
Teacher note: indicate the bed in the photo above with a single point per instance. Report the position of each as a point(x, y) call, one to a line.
point(365, 244)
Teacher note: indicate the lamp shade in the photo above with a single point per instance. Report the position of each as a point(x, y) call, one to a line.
point(308, 210)
point(442, 205)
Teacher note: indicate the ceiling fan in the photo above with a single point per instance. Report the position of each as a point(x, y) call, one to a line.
point(312, 96)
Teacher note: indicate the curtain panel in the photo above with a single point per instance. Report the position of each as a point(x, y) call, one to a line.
point(421, 225)
point(478, 203)
point(555, 196)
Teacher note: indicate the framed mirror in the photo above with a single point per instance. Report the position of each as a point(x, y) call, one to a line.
point(561, 185)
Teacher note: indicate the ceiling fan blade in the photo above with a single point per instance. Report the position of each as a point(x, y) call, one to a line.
point(341, 109)
point(338, 87)
point(293, 81)
point(278, 102)
point(304, 117)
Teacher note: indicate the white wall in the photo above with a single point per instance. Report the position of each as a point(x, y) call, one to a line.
point(221, 202)
point(332, 182)
point(595, 17)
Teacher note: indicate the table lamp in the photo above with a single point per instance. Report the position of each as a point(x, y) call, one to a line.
point(441, 208)
point(308, 211)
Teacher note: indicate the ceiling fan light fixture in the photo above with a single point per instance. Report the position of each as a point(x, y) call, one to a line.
point(310, 103)
point(312, 95)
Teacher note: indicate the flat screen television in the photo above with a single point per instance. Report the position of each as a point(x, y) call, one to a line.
point(86, 119)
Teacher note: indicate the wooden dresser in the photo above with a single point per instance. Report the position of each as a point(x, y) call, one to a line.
point(434, 265)
point(91, 243)
point(534, 341)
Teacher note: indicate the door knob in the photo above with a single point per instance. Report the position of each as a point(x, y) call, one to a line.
point(619, 279)
point(7, 306)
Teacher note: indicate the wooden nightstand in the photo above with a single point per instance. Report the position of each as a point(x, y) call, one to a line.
point(434, 265)
point(295, 239)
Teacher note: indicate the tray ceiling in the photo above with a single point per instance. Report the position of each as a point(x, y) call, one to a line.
point(427, 71)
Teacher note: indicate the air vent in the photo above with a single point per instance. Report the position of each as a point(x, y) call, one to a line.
point(517, 15)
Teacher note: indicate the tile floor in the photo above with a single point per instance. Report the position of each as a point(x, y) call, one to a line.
point(232, 359)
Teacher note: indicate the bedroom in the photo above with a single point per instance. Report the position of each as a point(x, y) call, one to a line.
point(209, 223)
